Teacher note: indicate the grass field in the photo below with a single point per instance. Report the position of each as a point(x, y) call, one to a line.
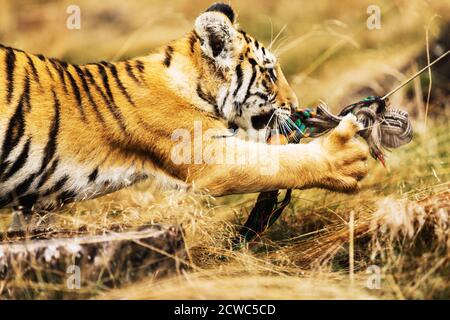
point(326, 245)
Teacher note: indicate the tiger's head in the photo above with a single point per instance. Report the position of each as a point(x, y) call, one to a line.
point(249, 85)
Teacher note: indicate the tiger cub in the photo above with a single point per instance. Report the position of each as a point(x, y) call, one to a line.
point(74, 132)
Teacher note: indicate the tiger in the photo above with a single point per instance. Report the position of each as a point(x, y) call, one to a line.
point(70, 133)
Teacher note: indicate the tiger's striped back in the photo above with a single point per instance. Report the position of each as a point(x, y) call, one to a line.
point(58, 123)
point(74, 132)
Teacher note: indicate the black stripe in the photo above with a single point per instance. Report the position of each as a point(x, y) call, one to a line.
point(49, 73)
point(50, 148)
point(19, 163)
point(110, 104)
point(43, 59)
point(224, 101)
point(7, 199)
point(208, 98)
point(97, 87)
point(252, 80)
point(105, 81)
point(246, 37)
point(261, 95)
point(238, 108)
point(168, 57)
point(140, 66)
point(272, 74)
point(24, 186)
point(10, 60)
point(29, 200)
point(192, 40)
point(240, 81)
point(57, 66)
point(46, 176)
point(7, 48)
point(77, 94)
point(4, 165)
point(26, 92)
point(63, 64)
point(93, 175)
point(67, 196)
point(88, 93)
point(149, 153)
point(119, 83)
point(239, 75)
point(274, 98)
point(14, 132)
point(252, 62)
point(129, 70)
point(33, 69)
point(57, 186)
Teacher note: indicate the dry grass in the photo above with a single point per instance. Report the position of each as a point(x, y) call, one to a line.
point(401, 216)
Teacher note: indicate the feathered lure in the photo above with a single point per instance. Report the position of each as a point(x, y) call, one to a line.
point(383, 128)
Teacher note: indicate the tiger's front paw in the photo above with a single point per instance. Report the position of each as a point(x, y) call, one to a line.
point(343, 157)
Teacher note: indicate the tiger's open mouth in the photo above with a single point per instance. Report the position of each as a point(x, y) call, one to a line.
point(261, 121)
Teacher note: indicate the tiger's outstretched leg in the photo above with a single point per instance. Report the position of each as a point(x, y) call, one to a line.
point(335, 162)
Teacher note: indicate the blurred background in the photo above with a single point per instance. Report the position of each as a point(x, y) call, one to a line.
point(320, 44)
point(328, 54)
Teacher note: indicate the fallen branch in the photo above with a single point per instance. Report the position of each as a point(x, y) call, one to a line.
point(109, 259)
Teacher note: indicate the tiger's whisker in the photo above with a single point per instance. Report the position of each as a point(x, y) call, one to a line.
point(276, 37)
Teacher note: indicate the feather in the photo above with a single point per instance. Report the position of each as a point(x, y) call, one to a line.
point(383, 129)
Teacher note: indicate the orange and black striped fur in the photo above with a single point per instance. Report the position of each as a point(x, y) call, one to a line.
point(74, 132)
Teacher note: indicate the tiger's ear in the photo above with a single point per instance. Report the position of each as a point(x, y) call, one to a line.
point(224, 9)
point(216, 32)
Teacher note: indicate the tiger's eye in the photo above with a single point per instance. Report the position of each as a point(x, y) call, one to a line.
point(216, 44)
